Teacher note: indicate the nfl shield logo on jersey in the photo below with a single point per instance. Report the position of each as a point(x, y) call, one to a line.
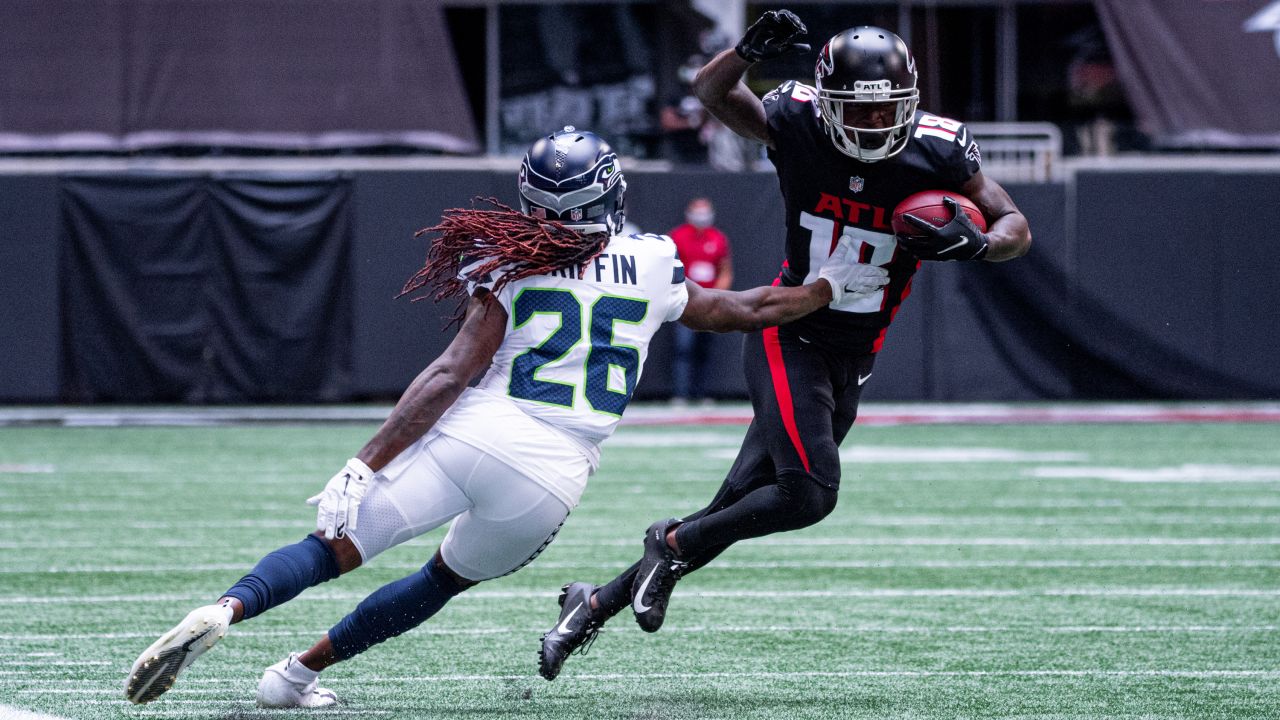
point(575, 214)
point(856, 184)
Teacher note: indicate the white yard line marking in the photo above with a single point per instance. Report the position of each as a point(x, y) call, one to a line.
point(719, 565)
point(775, 540)
point(915, 455)
point(1200, 674)
point(861, 674)
point(9, 712)
point(779, 540)
point(52, 663)
point(26, 469)
point(1004, 541)
point(1184, 592)
point(747, 629)
point(1177, 474)
point(1128, 520)
point(854, 520)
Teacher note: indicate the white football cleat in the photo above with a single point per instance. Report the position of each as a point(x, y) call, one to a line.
point(158, 666)
point(290, 684)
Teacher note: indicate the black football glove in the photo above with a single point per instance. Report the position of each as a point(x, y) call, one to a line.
point(773, 35)
point(959, 239)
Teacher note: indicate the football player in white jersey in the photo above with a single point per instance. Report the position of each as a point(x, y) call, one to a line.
point(560, 314)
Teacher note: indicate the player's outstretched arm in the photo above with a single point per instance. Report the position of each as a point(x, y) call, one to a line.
point(439, 385)
point(726, 311)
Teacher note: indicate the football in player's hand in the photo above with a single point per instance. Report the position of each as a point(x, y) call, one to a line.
point(928, 206)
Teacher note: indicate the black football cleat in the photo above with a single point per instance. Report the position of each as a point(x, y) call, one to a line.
point(656, 578)
point(574, 632)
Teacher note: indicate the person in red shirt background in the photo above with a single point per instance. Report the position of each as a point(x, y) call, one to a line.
point(704, 250)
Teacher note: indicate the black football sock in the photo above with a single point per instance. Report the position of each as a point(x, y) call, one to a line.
point(615, 596)
point(795, 501)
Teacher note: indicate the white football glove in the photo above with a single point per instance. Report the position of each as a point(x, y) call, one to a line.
point(849, 278)
point(340, 499)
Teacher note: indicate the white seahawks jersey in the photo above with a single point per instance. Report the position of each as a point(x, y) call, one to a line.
point(575, 347)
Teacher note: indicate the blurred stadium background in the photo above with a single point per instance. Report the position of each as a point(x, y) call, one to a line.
point(207, 210)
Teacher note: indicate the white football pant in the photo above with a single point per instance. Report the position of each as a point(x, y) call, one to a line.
point(501, 518)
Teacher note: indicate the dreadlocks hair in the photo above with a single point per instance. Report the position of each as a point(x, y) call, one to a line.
point(485, 241)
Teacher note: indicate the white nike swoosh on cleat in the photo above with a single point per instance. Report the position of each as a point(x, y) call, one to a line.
point(563, 627)
point(638, 604)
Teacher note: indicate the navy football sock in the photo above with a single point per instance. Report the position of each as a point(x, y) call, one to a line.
point(281, 575)
point(393, 609)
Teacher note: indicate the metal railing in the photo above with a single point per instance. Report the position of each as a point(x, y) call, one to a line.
point(1020, 151)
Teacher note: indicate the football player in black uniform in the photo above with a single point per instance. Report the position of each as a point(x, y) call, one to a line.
point(847, 150)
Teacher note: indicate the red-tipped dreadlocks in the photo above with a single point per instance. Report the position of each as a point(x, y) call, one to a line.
point(486, 241)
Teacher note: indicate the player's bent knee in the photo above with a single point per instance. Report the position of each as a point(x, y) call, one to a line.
point(808, 501)
point(344, 550)
point(461, 581)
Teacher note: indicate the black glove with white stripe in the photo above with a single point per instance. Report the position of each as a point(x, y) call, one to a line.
point(773, 35)
point(959, 239)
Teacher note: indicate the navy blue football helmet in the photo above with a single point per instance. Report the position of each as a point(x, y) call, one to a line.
point(574, 177)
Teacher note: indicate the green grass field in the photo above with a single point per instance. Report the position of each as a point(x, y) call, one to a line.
point(1048, 571)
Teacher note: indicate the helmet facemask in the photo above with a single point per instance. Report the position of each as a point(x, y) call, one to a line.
point(868, 144)
point(858, 70)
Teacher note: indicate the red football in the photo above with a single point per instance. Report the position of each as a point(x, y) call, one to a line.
point(928, 206)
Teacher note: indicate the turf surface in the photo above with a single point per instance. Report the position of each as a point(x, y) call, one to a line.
point(1050, 571)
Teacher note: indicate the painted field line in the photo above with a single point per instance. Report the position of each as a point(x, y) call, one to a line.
point(1053, 520)
point(780, 540)
point(1198, 674)
point(719, 565)
point(886, 414)
point(735, 629)
point(800, 674)
point(1184, 592)
point(238, 708)
point(1236, 502)
point(52, 663)
point(776, 540)
point(853, 521)
point(1187, 473)
point(9, 712)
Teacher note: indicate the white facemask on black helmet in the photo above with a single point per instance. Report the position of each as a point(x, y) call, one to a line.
point(861, 67)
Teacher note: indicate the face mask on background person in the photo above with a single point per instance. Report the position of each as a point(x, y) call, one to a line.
point(700, 217)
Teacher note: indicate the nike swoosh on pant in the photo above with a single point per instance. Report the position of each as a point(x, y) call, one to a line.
point(864, 378)
point(638, 603)
point(564, 624)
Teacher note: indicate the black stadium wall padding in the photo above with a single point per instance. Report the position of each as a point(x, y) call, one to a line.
point(206, 288)
point(29, 330)
point(267, 74)
point(149, 288)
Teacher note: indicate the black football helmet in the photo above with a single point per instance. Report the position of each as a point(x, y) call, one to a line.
point(865, 66)
point(574, 177)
